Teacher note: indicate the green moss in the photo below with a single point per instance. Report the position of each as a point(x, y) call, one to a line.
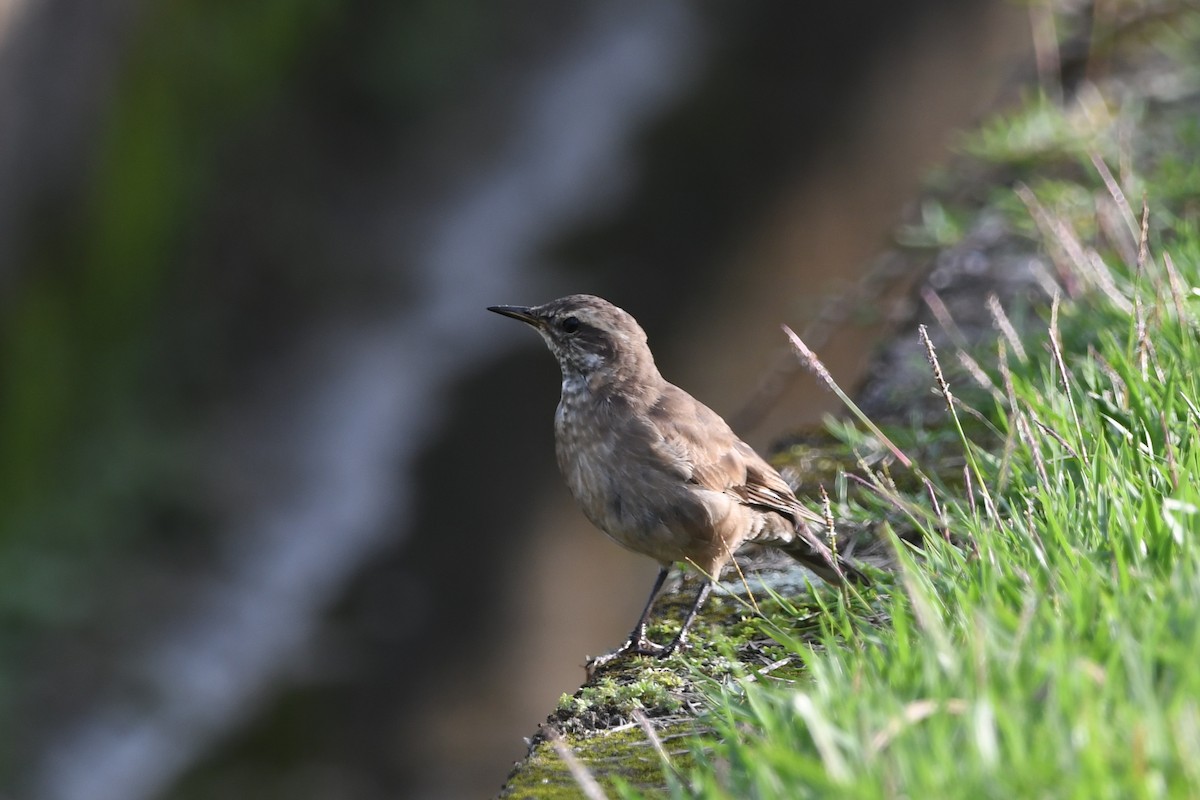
point(1038, 135)
point(940, 226)
point(735, 638)
point(651, 690)
point(617, 760)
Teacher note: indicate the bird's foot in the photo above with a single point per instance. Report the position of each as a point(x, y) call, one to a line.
point(634, 646)
point(678, 644)
point(643, 647)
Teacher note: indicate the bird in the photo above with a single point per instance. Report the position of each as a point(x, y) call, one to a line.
point(655, 469)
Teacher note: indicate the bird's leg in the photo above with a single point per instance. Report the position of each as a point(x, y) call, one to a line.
point(687, 622)
point(637, 643)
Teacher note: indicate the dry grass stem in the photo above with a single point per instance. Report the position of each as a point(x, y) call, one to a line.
point(913, 713)
point(1144, 239)
point(1176, 284)
point(1050, 234)
point(1139, 327)
point(1064, 376)
point(1044, 278)
point(810, 361)
point(1119, 387)
point(944, 319)
point(1056, 436)
point(1081, 265)
point(970, 490)
point(1152, 359)
point(976, 371)
point(1005, 326)
point(745, 583)
point(1104, 281)
point(813, 364)
point(582, 775)
point(944, 387)
point(768, 669)
point(652, 736)
point(1116, 231)
point(931, 357)
point(913, 511)
point(1034, 447)
point(1039, 547)
point(1115, 191)
point(989, 507)
point(827, 513)
point(937, 508)
point(1010, 441)
point(1071, 258)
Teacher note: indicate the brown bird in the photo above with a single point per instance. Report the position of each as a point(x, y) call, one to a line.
point(656, 469)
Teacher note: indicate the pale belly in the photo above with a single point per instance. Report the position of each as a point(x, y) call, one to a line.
point(642, 509)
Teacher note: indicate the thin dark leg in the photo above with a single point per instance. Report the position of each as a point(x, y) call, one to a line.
point(637, 638)
point(687, 622)
point(637, 643)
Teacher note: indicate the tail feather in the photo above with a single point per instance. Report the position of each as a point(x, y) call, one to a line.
point(829, 567)
point(843, 560)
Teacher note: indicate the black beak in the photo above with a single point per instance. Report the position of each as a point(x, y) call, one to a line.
point(522, 313)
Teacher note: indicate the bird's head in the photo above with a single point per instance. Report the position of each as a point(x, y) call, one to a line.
point(590, 337)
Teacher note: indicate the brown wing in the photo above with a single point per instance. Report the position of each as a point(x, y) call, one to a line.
point(706, 452)
point(767, 489)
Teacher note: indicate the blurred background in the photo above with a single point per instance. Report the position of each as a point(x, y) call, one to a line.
point(279, 516)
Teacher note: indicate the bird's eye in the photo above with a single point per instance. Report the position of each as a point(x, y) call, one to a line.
point(569, 325)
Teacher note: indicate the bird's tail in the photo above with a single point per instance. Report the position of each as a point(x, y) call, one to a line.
point(835, 564)
point(836, 569)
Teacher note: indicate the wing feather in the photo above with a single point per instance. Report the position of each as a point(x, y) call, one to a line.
point(707, 453)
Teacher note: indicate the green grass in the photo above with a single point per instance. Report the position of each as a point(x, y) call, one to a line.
point(1061, 658)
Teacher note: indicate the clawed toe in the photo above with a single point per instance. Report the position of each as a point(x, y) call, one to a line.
point(640, 646)
point(676, 645)
point(645, 647)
